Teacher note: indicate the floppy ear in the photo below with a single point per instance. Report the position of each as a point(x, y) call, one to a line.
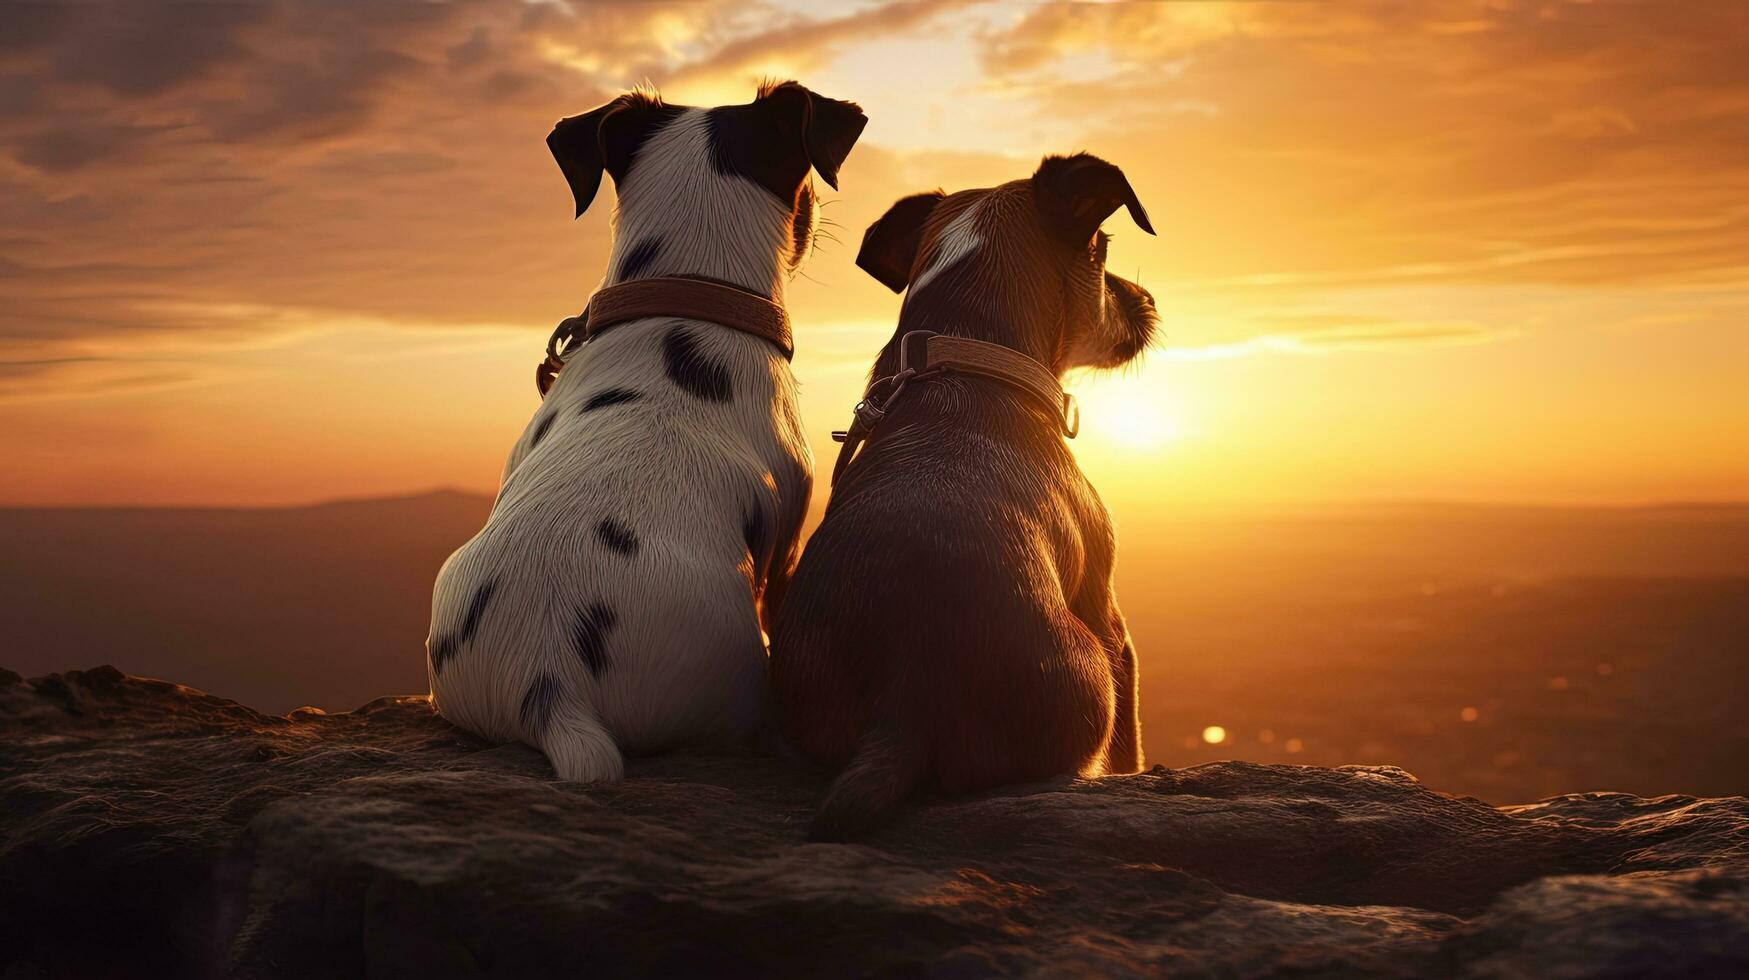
point(828, 127)
point(576, 144)
point(889, 246)
point(1075, 194)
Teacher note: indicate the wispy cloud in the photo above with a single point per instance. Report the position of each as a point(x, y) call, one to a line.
point(1348, 337)
point(1447, 141)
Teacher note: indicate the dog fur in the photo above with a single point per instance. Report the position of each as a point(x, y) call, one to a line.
point(952, 623)
point(610, 604)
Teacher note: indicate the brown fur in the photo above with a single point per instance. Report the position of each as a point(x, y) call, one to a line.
point(952, 622)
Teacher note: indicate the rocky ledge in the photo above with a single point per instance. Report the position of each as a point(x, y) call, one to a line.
point(150, 829)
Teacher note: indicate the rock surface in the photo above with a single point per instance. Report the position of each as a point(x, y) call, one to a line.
point(150, 829)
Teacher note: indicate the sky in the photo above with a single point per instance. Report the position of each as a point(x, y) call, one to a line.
point(282, 251)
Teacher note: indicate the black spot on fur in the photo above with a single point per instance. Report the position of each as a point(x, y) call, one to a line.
point(639, 257)
point(745, 143)
point(612, 396)
point(540, 429)
point(617, 536)
point(476, 609)
point(589, 635)
point(692, 370)
point(538, 703)
point(442, 649)
point(445, 647)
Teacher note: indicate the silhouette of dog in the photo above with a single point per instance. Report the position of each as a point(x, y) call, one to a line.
point(952, 622)
point(609, 605)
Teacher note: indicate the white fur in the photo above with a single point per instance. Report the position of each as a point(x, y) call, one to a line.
point(687, 660)
point(959, 239)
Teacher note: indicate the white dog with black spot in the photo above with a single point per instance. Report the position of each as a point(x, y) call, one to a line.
point(611, 604)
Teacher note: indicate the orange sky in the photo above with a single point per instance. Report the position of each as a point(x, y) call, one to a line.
point(276, 252)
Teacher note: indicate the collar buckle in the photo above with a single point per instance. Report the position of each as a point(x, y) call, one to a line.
point(559, 346)
point(914, 352)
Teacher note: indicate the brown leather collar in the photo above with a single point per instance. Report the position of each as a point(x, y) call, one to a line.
point(925, 352)
point(669, 296)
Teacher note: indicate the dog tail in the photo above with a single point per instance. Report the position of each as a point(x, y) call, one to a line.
point(864, 798)
point(576, 743)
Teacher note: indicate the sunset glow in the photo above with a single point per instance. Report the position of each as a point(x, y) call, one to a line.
point(1129, 413)
point(1381, 608)
point(1456, 250)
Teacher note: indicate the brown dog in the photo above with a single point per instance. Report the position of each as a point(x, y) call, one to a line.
point(952, 622)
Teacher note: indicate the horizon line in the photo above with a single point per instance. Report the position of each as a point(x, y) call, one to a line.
point(1199, 505)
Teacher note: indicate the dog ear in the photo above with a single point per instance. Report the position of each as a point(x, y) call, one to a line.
point(1075, 194)
point(889, 246)
point(605, 139)
point(828, 127)
point(576, 144)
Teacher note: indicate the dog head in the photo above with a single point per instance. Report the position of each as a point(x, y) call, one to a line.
point(721, 193)
point(1025, 260)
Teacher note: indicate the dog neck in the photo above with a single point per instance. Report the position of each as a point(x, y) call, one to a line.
point(677, 216)
point(976, 311)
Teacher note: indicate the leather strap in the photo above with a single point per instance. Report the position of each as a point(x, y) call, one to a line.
point(923, 353)
point(667, 296)
point(1004, 364)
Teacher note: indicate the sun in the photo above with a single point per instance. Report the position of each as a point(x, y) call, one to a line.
point(1128, 412)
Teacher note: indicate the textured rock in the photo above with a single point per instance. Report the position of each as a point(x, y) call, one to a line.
point(150, 829)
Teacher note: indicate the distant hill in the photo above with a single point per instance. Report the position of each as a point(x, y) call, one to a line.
point(276, 607)
point(1598, 647)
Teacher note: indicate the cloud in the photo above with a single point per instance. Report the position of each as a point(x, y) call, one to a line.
point(142, 48)
point(1447, 141)
point(805, 42)
point(80, 378)
point(378, 157)
point(375, 156)
point(1327, 334)
point(64, 147)
point(386, 158)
